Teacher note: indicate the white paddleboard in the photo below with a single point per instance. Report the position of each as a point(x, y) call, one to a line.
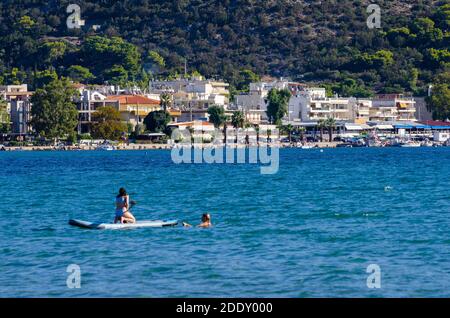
point(117, 226)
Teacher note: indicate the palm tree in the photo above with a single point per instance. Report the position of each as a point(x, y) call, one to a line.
point(225, 129)
point(165, 101)
point(247, 125)
point(191, 133)
point(238, 121)
point(331, 125)
point(217, 115)
point(269, 133)
point(302, 130)
point(280, 129)
point(289, 129)
point(257, 130)
point(321, 124)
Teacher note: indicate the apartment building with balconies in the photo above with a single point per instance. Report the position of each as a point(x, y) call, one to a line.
point(393, 107)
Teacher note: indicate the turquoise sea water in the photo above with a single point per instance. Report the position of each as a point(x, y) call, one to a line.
point(310, 230)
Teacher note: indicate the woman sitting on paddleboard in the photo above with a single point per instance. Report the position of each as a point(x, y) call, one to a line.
point(123, 214)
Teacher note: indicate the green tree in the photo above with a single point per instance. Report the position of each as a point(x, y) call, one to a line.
point(289, 129)
point(238, 121)
point(439, 57)
point(54, 114)
point(156, 60)
point(26, 22)
point(50, 52)
point(423, 26)
point(269, 134)
point(42, 78)
point(99, 53)
point(350, 87)
point(165, 101)
point(191, 131)
point(80, 74)
point(116, 75)
point(15, 76)
point(277, 107)
point(330, 123)
point(5, 120)
point(108, 124)
point(302, 131)
point(439, 101)
point(258, 132)
point(144, 79)
point(443, 16)
point(225, 132)
point(382, 58)
point(321, 124)
point(157, 121)
point(246, 77)
point(399, 36)
point(216, 115)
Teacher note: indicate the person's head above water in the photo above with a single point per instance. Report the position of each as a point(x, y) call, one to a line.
point(206, 217)
point(122, 192)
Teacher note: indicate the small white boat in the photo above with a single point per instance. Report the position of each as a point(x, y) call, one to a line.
point(410, 145)
point(105, 147)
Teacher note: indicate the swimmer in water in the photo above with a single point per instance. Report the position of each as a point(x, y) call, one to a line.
point(206, 221)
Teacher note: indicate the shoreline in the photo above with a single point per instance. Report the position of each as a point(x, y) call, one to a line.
point(140, 147)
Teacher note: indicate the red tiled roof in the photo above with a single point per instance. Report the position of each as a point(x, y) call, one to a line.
point(133, 100)
point(435, 123)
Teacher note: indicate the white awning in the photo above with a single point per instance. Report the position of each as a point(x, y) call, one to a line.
point(349, 126)
point(384, 127)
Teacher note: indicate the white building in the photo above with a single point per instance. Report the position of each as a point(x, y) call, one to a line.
point(361, 110)
point(87, 103)
point(18, 100)
point(393, 107)
point(256, 99)
point(312, 104)
point(195, 93)
point(440, 136)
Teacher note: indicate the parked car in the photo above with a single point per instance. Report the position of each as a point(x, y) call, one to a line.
point(312, 139)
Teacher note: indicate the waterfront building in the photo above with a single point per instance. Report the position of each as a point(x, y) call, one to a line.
point(252, 116)
point(393, 107)
point(439, 129)
point(18, 100)
point(312, 104)
point(254, 102)
point(193, 115)
point(203, 130)
point(440, 136)
point(87, 103)
point(361, 110)
point(134, 108)
point(195, 93)
point(197, 125)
